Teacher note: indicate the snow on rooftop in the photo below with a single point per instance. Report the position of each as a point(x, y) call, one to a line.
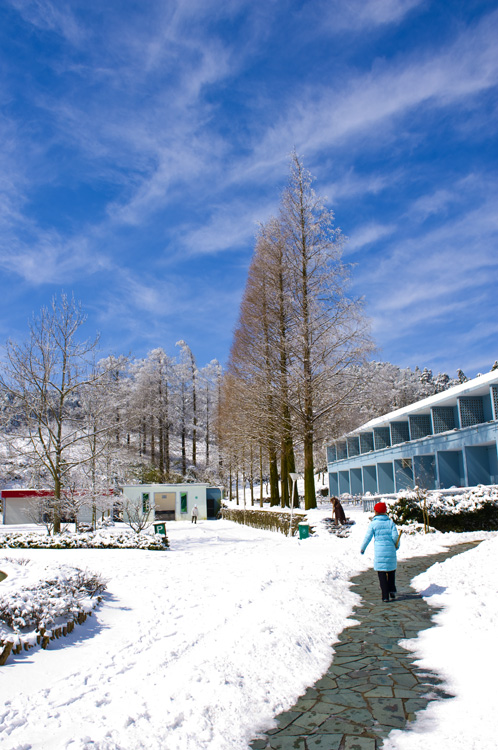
point(476, 387)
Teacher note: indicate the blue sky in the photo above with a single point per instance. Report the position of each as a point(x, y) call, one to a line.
point(143, 142)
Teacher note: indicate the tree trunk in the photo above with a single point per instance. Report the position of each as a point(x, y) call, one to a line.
point(152, 442)
point(274, 492)
point(309, 473)
point(284, 476)
point(260, 475)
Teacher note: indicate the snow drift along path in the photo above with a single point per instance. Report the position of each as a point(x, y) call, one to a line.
point(198, 647)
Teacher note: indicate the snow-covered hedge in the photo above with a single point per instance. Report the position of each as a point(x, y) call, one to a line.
point(264, 519)
point(473, 510)
point(40, 603)
point(99, 539)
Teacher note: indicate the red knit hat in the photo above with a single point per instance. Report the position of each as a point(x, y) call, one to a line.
point(380, 508)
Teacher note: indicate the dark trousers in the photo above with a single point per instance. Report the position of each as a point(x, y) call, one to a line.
point(387, 580)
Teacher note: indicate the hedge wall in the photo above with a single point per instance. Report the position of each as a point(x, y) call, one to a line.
point(264, 519)
point(485, 518)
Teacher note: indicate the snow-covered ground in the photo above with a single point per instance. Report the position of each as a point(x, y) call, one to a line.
point(200, 646)
point(462, 649)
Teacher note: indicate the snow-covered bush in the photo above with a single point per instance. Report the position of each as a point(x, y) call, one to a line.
point(476, 509)
point(407, 508)
point(466, 502)
point(264, 519)
point(44, 604)
point(38, 604)
point(96, 539)
point(417, 528)
point(105, 522)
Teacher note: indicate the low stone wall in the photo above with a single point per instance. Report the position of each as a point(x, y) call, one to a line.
point(43, 638)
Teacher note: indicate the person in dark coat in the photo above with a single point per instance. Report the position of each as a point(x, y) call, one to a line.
point(386, 541)
point(339, 515)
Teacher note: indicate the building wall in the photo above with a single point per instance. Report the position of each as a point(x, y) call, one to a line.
point(16, 511)
point(180, 497)
point(19, 510)
point(446, 442)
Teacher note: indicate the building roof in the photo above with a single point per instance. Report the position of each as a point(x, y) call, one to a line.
point(476, 387)
point(22, 492)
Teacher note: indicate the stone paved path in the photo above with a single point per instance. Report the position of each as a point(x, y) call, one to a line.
point(372, 685)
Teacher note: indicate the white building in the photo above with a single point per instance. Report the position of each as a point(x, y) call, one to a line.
point(172, 502)
point(22, 505)
point(446, 440)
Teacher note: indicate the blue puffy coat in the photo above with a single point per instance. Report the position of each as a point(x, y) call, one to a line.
point(385, 534)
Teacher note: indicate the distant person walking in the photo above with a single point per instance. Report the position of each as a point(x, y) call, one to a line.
point(386, 541)
point(339, 515)
point(195, 513)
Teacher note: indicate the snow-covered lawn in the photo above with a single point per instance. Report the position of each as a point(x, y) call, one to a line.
point(200, 646)
point(463, 650)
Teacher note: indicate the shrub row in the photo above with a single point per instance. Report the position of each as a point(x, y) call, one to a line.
point(264, 519)
point(96, 540)
point(409, 509)
point(38, 613)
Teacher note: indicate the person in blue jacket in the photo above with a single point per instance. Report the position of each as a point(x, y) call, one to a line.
point(386, 537)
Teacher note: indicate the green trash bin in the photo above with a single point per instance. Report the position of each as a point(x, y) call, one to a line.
point(304, 530)
point(160, 528)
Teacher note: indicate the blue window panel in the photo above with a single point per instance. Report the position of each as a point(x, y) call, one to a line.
point(494, 400)
point(331, 453)
point(420, 426)
point(450, 466)
point(425, 471)
point(344, 486)
point(370, 479)
point(382, 437)
point(333, 484)
point(385, 473)
point(366, 442)
point(479, 460)
point(400, 432)
point(353, 446)
point(471, 410)
point(342, 450)
point(356, 482)
point(403, 474)
point(443, 418)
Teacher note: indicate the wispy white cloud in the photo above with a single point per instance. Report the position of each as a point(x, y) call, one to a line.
point(437, 203)
point(160, 310)
point(455, 196)
point(173, 138)
point(229, 228)
point(325, 116)
point(365, 14)
point(433, 278)
point(158, 112)
point(48, 16)
point(51, 259)
point(368, 234)
point(352, 184)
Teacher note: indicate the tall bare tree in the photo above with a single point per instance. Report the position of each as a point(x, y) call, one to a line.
point(188, 366)
point(253, 368)
point(43, 379)
point(330, 332)
point(299, 335)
